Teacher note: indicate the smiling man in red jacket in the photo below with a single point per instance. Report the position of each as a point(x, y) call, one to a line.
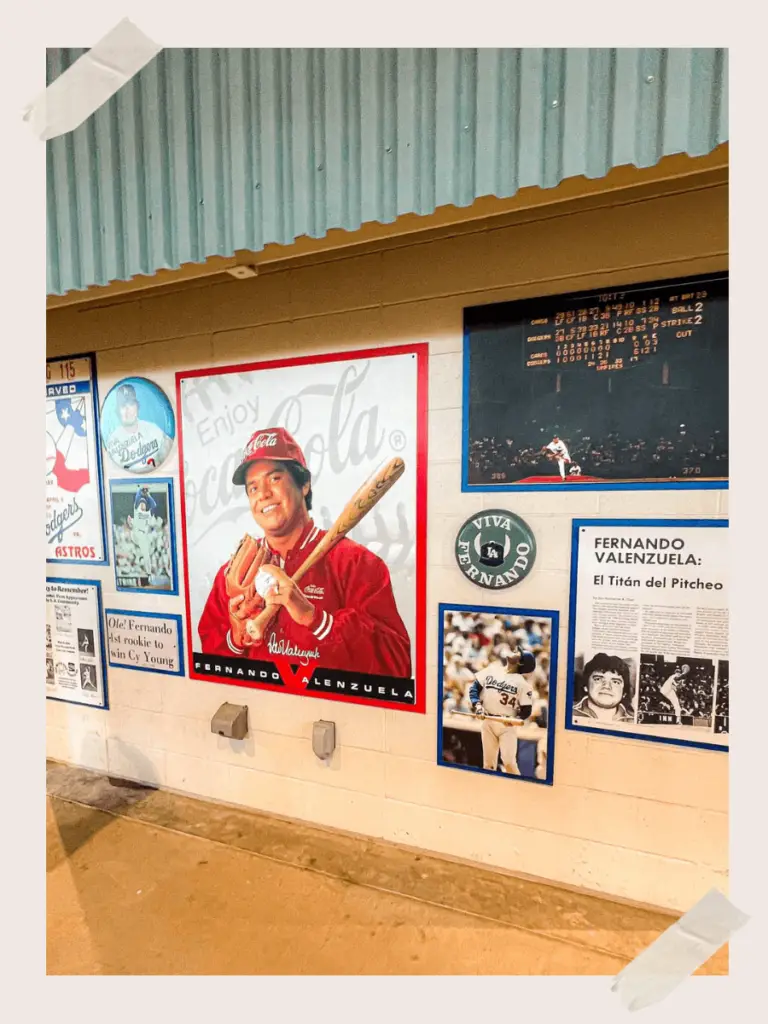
point(343, 615)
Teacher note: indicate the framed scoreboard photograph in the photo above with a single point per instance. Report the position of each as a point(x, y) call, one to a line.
point(609, 390)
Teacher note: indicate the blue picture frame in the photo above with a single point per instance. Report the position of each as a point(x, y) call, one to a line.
point(96, 584)
point(91, 357)
point(644, 485)
point(151, 615)
point(533, 613)
point(577, 524)
point(141, 481)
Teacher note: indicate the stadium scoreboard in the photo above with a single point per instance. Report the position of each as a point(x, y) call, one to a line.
point(616, 330)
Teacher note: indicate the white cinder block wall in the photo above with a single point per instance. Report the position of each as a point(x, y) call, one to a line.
point(638, 820)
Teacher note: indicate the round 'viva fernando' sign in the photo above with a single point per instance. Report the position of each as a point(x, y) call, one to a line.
point(495, 549)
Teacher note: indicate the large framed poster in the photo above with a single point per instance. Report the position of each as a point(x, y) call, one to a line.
point(618, 389)
point(75, 667)
point(74, 514)
point(648, 631)
point(497, 690)
point(275, 451)
point(144, 535)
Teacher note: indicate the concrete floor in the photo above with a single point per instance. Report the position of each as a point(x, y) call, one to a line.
point(144, 882)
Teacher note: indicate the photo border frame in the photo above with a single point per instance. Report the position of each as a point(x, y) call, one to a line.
point(531, 613)
point(144, 380)
point(626, 485)
point(176, 616)
point(137, 481)
point(420, 350)
point(91, 357)
point(572, 602)
point(105, 689)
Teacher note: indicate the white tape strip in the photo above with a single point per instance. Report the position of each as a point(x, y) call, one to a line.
point(678, 952)
point(90, 81)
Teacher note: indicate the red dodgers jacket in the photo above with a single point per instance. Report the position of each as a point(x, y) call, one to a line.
point(357, 626)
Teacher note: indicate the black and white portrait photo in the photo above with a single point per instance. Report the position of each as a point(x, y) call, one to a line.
point(604, 689)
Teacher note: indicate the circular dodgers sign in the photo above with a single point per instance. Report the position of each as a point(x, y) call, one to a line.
point(495, 549)
point(137, 425)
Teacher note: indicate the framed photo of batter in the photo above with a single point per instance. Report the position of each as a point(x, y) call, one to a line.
point(604, 390)
point(74, 514)
point(497, 690)
point(303, 515)
point(143, 535)
point(648, 630)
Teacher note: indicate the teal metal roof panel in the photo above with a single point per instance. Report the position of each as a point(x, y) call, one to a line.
point(208, 151)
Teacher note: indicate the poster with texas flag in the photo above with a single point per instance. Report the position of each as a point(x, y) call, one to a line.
point(74, 520)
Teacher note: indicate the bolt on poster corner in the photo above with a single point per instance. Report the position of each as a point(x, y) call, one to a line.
point(74, 644)
point(648, 644)
point(602, 390)
point(74, 515)
point(143, 534)
point(276, 451)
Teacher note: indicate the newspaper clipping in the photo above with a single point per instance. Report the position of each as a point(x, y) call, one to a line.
point(649, 631)
point(74, 658)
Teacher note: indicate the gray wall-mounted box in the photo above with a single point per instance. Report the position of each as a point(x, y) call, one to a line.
point(231, 720)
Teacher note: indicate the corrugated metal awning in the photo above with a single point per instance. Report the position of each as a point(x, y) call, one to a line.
point(207, 152)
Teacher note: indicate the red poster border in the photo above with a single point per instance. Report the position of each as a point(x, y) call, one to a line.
point(421, 351)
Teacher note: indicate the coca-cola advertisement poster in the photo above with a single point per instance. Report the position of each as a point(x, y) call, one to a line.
point(303, 508)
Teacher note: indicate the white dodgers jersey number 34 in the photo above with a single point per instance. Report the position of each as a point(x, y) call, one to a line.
point(504, 693)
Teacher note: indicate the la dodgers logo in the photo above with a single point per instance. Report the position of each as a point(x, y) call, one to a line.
point(495, 549)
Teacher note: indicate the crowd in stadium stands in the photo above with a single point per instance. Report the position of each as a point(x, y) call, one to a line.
point(129, 557)
point(694, 692)
point(612, 456)
point(721, 699)
point(722, 691)
point(472, 640)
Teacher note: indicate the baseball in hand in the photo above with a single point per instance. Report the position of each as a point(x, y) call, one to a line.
point(264, 583)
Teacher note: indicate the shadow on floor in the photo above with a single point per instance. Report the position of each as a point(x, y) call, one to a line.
point(90, 791)
point(123, 856)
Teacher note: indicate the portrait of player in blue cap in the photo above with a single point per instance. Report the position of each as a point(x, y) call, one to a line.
point(137, 425)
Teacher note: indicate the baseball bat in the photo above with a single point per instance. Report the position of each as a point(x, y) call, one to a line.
point(490, 718)
point(358, 506)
